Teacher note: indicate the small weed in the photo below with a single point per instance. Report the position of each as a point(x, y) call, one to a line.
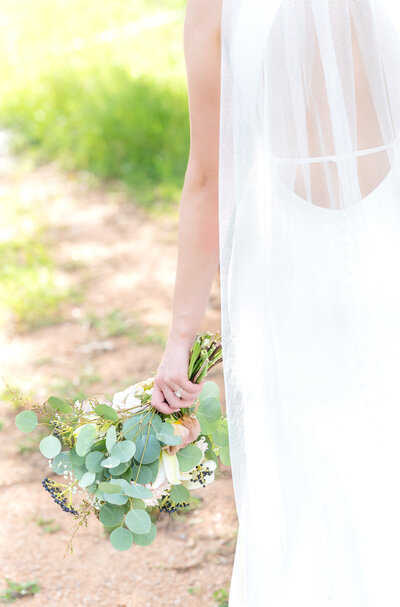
point(1, 424)
point(30, 444)
point(194, 590)
point(48, 525)
point(16, 590)
point(117, 323)
point(221, 596)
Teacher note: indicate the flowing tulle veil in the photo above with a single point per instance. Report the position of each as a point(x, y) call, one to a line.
point(310, 105)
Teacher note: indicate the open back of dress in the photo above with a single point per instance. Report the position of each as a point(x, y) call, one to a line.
point(310, 288)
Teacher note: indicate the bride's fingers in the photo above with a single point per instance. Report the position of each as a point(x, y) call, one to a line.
point(158, 400)
point(174, 400)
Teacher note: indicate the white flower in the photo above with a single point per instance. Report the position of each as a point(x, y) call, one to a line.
point(209, 478)
point(128, 398)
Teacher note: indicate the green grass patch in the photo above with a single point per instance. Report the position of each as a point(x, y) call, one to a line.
point(30, 293)
point(101, 88)
point(18, 590)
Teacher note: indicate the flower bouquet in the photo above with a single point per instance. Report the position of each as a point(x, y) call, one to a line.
point(129, 459)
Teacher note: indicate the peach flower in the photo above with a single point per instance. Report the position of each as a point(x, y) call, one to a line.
point(188, 428)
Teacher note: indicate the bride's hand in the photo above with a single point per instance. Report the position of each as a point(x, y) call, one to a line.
point(171, 375)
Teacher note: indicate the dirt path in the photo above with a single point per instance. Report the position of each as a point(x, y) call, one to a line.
point(123, 265)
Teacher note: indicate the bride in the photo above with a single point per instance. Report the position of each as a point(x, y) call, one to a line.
point(293, 188)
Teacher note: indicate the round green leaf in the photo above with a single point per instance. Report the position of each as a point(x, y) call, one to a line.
point(209, 390)
point(110, 462)
point(148, 449)
point(121, 539)
point(224, 456)
point(138, 491)
point(124, 450)
point(109, 487)
point(85, 440)
point(76, 460)
point(59, 405)
point(120, 469)
point(93, 461)
point(169, 439)
point(61, 463)
point(50, 446)
point(119, 499)
point(220, 436)
point(78, 471)
point(132, 425)
point(189, 457)
point(111, 515)
point(138, 504)
point(156, 423)
point(138, 521)
point(142, 474)
point(179, 494)
point(106, 412)
point(111, 438)
point(209, 414)
point(26, 421)
point(144, 539)
point(87, 479)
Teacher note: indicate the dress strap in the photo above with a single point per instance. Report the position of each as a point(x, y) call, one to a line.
point(333, 158)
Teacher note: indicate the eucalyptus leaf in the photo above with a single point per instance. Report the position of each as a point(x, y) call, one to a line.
point(142, 474)
point(111, 515)
point(26, 421)
point(224, 456)
point(124, 450)
point(138, 491)
point(93, 461)
point(106, 412)
point(110, 462)
point(61, 463)
point(148, 449)
point(132, 425)
point(111, 487)
point(76, 460)
point(59, 405)
point(50, 446)
point(78, 471)
point(169, 439)
point(179, 494)
point(220, 436)
point(138, 504)
point(138, 521)
point(121, 539)
point(156, 423)
point(189, 457)
point(118, 499)
point(144, 539)
point(87, 479)
point(210, 389)
point(120, 469)
point(209, 414)
point(85, 440)
point(111, 438)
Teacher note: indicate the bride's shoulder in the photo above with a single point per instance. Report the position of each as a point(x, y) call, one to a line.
point(204, 17)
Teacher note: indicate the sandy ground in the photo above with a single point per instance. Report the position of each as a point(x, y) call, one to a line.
point(119, 259)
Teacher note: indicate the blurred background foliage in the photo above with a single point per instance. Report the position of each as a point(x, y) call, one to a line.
point(99, 86)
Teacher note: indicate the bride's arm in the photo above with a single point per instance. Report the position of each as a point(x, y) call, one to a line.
point(198, 246)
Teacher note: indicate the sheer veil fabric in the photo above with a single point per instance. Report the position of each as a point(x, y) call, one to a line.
point(310, 292)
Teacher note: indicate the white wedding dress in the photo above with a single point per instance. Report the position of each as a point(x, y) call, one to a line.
point(310, 288)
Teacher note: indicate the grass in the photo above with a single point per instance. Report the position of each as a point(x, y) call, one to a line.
point(47, 525)
point(18, 590)
point(30, 292)
point(100, 88)
point(117, 323)
point(221, 597)
point(77, 388)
